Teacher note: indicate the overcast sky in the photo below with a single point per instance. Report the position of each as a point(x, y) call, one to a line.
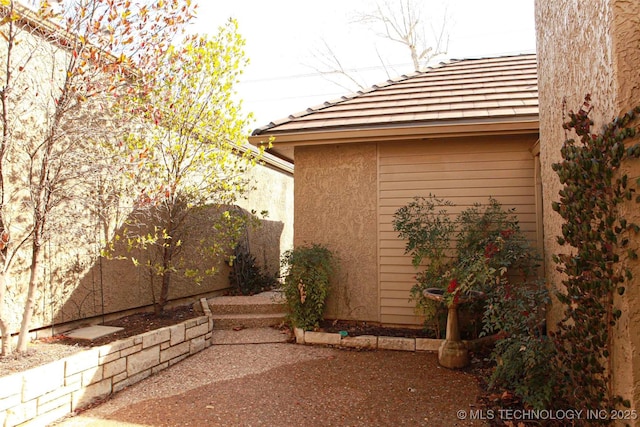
point(284, 36)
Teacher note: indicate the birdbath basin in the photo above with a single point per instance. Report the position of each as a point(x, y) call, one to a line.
point(453, 352)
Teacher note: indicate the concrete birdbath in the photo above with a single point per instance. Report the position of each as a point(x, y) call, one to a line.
point(453, 352)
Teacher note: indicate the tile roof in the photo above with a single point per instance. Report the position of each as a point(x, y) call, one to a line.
point(468, 90)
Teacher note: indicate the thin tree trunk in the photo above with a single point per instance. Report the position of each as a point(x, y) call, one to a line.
point(4, 116)
point(4, 326)
point(167, 262)
point(31, 295)
point(167, 256)
point(42, 206)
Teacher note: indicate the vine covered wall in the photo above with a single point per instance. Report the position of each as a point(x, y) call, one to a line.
point(592, 50)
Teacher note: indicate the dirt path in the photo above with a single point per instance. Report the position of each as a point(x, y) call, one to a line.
point(293, 385)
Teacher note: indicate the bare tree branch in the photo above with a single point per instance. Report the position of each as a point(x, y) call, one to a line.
point(400, 22)
point(331, 66)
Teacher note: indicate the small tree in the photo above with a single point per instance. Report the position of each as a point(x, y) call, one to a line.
point(197, 163)
point(62, 72)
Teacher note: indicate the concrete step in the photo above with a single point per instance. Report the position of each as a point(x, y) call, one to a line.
point(264, 303)
point(249, 336)
point(231, 321)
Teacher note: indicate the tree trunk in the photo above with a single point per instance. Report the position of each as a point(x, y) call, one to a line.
point(167, 257)
point(164, 291)
point(4, 327)
point(31, 295)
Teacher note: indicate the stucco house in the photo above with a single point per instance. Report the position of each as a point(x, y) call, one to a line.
point(466, 130)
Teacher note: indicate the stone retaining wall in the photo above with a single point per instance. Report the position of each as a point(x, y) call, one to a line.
point(46, 393)
point(370, 342)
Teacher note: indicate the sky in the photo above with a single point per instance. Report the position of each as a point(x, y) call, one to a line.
point(284, 39)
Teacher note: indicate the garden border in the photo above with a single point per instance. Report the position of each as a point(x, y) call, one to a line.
point(373, 342)
point(46, 393)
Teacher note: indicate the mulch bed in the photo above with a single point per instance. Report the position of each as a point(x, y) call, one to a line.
point(364, 328)
point(134, 324)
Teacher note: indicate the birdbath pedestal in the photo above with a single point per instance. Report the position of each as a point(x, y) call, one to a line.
point(453, 352)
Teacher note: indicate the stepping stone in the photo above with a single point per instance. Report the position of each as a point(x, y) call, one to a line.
point(91, 333)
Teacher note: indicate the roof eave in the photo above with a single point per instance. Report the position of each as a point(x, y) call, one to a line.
point(283, 142)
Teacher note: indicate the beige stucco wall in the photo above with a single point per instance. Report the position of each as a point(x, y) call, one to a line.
point(103, 286)
point(38, 70)
point(589, 47)
point(273, 193)
point(335, 195)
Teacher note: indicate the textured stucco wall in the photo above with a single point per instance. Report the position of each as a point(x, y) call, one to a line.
point(335, 193)
point(571, 63)
point(113, 285)
point(273, 193)
point(589, 47)
point(38, 70)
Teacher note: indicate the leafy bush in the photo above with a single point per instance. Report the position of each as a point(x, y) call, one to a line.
point(522, 357)
point(491, 255)
point(490, 252)
point(522, 365)
point(245, 277)
point(308, 270)
point(428, 229)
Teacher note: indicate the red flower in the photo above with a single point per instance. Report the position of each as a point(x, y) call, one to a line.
point(453, 285)
point(490, 250)
point(507, 233)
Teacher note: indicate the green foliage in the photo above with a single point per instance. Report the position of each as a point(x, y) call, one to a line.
point(489, 246)
point(191, 162)
point(493, 233)
point(523, 367)
point(517, 312)
point(245, 277)
point(428, 229)
point(493, 256)
point(308, 271)
point(598, 237)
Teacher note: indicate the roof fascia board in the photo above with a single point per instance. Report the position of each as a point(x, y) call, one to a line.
point(398, 133)
point(268, 159)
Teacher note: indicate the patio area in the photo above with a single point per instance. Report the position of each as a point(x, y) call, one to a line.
point(286, 384)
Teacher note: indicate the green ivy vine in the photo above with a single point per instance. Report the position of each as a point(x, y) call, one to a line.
point(599, 242)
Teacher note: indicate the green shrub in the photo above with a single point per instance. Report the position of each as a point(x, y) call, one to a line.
point(245, 277)
point(308, 270)
point(492, 255)
point(523, 367)
point(490, 251)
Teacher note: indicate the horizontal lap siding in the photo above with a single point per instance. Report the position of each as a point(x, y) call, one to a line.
point(465, 171)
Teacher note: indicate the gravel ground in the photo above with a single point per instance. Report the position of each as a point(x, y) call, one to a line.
point(286, 384)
